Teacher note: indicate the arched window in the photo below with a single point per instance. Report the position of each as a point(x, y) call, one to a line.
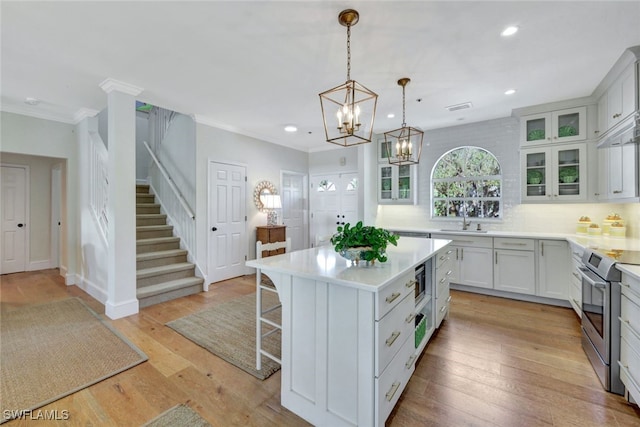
point(466, 181)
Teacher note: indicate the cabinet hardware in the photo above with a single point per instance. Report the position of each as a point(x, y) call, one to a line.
point(541, 248)
point(394, 336)
point(576, 275)
point(449, 273)
point(444, 307)
point(449, 251)
point(411, 283)
point(442, 280)
point(392, 391)
point(449, 299)
point(615, 116)
point(410, 361)
point(513, 244)
point(617, 191)
point(456, 253)
point(391, 298)
point(410, 317)
point(576, 302)
point(496, 258)
point(461, 254)
point(596, 194)
point(578, 254)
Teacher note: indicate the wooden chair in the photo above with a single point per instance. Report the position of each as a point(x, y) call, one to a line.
point(260, 313)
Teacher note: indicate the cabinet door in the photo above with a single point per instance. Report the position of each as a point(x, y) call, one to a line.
point(386, 184)
point(554, 269)
point(569, 125)
point(396, 184)
point(621, 98)
point(535, 129)
point(570, 172)
point(603, 115)
point(603, 174)
point(623, 180)
point(476, 267)
point(514, 271)
point(536, 174)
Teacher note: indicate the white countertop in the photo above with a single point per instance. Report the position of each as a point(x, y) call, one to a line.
point(325, 264)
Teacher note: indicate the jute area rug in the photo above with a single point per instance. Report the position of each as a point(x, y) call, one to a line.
point(178, 416)
point(51, 350)
point(228, 330)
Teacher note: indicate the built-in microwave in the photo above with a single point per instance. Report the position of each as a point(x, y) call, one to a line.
point(423, 279)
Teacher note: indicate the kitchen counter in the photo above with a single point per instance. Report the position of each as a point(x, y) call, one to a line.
point(348, 347)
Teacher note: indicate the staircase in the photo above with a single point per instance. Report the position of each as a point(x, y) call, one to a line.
point(163, 272)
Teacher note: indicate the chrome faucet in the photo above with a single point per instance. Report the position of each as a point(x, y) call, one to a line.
point(465, 223)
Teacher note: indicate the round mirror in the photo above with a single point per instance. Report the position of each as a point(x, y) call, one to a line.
point(262, 189)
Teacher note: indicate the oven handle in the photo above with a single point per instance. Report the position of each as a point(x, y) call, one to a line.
point(589, 277)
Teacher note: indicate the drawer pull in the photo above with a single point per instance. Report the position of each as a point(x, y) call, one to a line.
point(449, 299)
point(444, 279)
point(450, 251)
point(392, 391)
point(411, 283)
point(410, 317)
point(394, 336)
point(449, 273)
point(513, 244)
point(576, 302)
point(410, 361)
point(441, 257)
point(391, 298)
point(576, 275)
point(444, 307)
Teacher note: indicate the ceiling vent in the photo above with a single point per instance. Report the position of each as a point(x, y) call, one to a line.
point(457, 107)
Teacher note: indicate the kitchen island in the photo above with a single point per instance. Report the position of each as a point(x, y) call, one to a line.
point(348, 346)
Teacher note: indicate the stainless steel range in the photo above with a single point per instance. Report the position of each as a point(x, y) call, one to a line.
point(600, 317)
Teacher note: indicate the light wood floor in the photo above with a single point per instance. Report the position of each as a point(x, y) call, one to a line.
point(494, 362)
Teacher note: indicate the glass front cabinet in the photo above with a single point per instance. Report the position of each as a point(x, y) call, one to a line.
point(554, 174)
point(554, 127)
point(396, 184)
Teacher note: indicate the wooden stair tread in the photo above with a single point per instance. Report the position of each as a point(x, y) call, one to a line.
point(153, 227)
point(163, 287)
point(153, 240)
point(160, 254)
point(163, 269)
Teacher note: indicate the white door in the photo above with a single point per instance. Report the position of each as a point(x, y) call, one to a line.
point(227, 221)
point(56, 197)
point(14, 216)
point(294, 209)
point(334, 202)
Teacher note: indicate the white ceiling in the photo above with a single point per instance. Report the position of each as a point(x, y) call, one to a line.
point(254, 66)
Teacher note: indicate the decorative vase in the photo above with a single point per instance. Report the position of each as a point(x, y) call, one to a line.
point(357, 254)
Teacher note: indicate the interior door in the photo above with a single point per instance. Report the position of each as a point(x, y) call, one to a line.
point(14, 212)
point(334, 202)
point(227, 221)
point(294, 209)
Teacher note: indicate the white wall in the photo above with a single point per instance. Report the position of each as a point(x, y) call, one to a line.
point(143, 158)
point(263, 160)
point(30, 136)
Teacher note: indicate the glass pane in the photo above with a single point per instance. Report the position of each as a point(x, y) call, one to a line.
point(383, 150)
point(490, 209)
point(404, 170)
point(404, 188)
point(457, 189)
point(385, 172)
point(536, 176)
point(488, 188)
point(326, 185)
point(536, 129)
point(440, 208)
point(568, 157)
point(536, 190)
point(536, 159)
point(440, 189)
point(352, 185)
point(568, 124)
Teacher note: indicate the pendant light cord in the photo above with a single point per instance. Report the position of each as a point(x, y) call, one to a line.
point(404, 122)
point(348, 52)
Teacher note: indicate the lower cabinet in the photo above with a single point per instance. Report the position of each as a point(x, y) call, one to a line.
point(630, 336)
point(443, 272)
point(472, 259)
point(553, 269)
point(575, 286)
point(514, 265)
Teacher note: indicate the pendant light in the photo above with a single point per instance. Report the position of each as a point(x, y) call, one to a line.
point(404, 145)
point(348, 110)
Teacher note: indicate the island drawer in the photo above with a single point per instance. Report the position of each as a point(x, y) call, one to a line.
point(394, 379)
point(442, 306)
point(513, 244)
point(442, 277)
point(390, 296)
point(443, 257)
point(393, 330)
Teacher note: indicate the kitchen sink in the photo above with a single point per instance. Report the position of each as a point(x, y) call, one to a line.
point(463, 231)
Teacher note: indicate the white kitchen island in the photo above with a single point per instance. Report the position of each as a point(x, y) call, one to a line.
point(348, 346)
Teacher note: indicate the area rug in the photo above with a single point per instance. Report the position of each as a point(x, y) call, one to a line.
point(228, 330)
point(51, 350)
point(178, 416)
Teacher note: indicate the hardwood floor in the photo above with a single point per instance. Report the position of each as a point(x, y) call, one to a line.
point(494, 362)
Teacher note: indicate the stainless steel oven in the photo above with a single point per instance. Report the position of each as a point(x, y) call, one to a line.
point(600, 317)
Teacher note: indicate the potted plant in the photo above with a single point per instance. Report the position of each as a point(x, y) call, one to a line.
point(360, 242)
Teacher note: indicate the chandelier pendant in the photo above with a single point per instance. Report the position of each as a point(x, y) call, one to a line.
point(404, 145)
point(351, 106)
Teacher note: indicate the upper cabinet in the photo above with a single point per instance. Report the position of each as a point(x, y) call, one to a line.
point(396, 184)
point(619, 101)
point(553, 127)
point(554, 174)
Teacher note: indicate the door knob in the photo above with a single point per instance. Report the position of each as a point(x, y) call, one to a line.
point(20, 225)
point(338, 222)
point(214, 229)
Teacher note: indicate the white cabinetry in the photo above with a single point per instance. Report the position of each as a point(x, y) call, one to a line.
point(618, 171)
point(397, 184)
point(554, 127)
point(575, 288)
point(443, 272)
point(630, 335)
point(514, 265)
point(553, 269)
point(619, 100)
point(554, 174)
point(472, 260)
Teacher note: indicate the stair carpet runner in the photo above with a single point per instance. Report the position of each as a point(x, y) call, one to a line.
point(163, 272)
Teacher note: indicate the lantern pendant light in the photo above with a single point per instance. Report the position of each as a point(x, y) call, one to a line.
point(404, 145)
point(348, 110)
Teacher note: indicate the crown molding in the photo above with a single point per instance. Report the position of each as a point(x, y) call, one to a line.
point(31, 112)
point(109, 85)
point(84, 113)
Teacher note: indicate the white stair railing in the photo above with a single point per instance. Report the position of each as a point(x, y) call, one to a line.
point(173, 202)
point(99, 185)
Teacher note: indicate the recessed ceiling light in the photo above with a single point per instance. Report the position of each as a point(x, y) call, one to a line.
point(510, 92)
point(290, 128)
point(32, 101)
point(509, 31)
point(390, 116)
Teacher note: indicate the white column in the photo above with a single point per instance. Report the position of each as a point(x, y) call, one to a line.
point(121, 206)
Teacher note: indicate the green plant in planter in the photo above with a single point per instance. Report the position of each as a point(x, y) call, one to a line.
point(372, 241)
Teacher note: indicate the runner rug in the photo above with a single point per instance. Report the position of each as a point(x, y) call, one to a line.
point(228, 330)
point(51, 350)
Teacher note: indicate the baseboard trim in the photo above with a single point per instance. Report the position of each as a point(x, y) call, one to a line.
point(92, 289)
point(39, 265)
point(123, 309)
